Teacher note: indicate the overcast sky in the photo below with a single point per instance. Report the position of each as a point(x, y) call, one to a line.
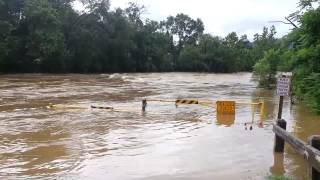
point(222, 16)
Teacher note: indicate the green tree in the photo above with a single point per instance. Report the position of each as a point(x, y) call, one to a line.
point(186, 29)
point(190, 60)
point(10, 16)
point(298, 52)
point(44, 43)
point(266, 68)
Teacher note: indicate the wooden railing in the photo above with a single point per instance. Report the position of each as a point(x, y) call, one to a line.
point(310, 150)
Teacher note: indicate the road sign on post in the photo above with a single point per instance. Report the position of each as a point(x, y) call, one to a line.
point(283, 86)
point(283, 89)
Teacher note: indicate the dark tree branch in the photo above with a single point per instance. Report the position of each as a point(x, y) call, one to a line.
point(292, 23)
point(289, 22)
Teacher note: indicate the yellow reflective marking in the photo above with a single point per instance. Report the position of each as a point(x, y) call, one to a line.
point(60, 106)
point(187, 102)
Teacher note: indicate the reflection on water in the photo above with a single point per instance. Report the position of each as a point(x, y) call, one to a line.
point(226, 119)
point(278, 164)
point(165, 142)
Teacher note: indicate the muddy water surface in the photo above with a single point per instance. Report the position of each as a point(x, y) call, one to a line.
point(165, 142)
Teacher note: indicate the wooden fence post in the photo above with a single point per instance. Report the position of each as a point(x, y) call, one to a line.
point(311, 152)
point(280, 107)
point(279, 142)
point(314, 141)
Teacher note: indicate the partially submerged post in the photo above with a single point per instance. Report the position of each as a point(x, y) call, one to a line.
point(314, 141)
point(144, 105)
point(279, 142)
point(261, 114)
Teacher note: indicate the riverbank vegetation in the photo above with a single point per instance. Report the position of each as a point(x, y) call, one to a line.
point(278, 178)
point(51, 36)
point(299, 52)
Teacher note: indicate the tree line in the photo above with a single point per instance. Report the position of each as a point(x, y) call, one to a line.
point(50, 36)
point(299, 52)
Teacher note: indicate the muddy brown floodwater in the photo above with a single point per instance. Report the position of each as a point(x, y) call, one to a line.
point(165, 142)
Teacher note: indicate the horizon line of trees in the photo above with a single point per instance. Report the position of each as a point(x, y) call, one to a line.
point(49, 36)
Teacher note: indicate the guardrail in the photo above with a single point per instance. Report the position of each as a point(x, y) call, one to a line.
point(310, 150)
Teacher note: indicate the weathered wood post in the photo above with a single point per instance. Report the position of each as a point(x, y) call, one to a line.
point(280, 107)
point(279, 142)
point(314, 141)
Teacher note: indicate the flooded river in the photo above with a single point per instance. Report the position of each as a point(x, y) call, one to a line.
point(165, 142)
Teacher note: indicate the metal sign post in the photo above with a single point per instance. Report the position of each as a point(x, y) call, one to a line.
point(283, 89)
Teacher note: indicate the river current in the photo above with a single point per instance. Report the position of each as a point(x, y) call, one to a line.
point(164, 142)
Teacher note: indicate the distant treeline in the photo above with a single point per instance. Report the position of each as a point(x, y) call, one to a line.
point(51, 36)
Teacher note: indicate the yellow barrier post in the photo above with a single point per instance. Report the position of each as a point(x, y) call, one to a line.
point(253, 115)
point(262, 109)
